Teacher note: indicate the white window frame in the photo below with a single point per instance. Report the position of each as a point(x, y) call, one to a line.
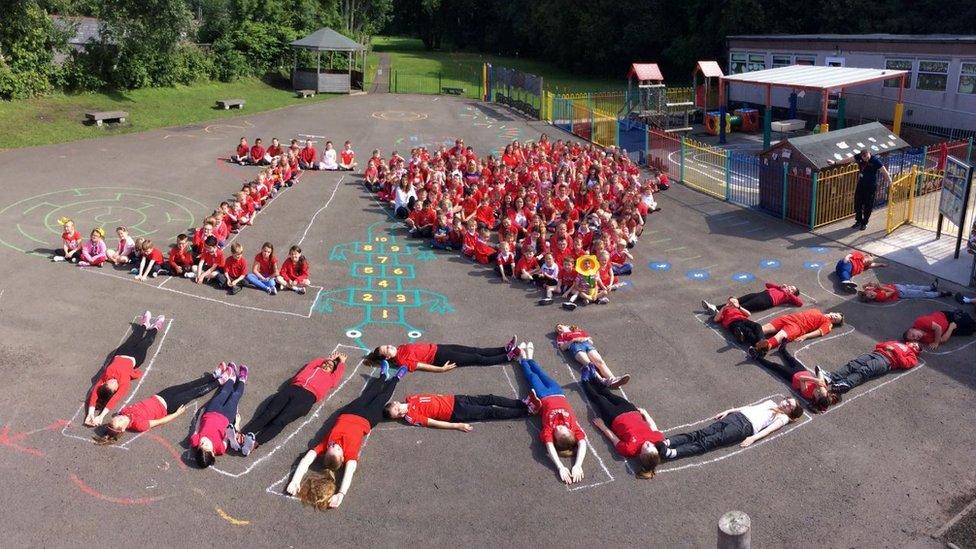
point(750, 61)
point(909, 78)
point(920, 72)
point(971, 75)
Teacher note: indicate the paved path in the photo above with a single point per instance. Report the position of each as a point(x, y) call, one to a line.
point(381, 80)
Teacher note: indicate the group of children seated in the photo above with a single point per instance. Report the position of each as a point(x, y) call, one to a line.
point(199, 255)
point(560, 215)
point(305, 158)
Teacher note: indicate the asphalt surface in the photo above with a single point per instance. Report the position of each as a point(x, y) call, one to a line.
point(887, 468)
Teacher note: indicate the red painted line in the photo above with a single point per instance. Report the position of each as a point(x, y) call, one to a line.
point(169, 448)
point(98, 495)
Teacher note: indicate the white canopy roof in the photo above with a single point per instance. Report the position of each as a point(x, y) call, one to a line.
point(810, 77)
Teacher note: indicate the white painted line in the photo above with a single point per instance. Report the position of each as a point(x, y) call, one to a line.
point(326, 205)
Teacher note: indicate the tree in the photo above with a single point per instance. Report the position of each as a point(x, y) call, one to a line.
point(145, 35)
point(28, 40)
point(361, 18)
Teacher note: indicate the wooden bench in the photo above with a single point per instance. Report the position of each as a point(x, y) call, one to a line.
point(228, 103)
point(453, 91)
point(305, 93)
point(99, 117)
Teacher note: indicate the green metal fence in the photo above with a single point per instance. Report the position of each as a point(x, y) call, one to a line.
point(463, 84)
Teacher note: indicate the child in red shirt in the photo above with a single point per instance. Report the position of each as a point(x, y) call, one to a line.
point(216, 427)
point(210, 262)
point(310, 385)
point(342, 444)
point(71, 242)
point(560, 431)
point(347, 158)
point(506, 261)
point(631, 429)
point(180, 261)
point(113, 384)
point(151, 263)
point(235, 269)
point(241, 155)
point(796, 327)
point(454, 411)
point(164, 406)
point(936, 328)
point(294, 272)
point(265, 270)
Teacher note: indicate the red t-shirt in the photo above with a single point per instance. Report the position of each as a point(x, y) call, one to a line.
point(409, 354)
point(308, 155)
point(556, 411)
point(781, 296)
point(157, 256)
point(291, 272)
point(257, 153)
point(886, 292)
point(348, 432)
point(316, 380)
point(805, 382)
point(142, 412)
point(900, 356)
point(213, 425)
point(857, 263)
point(728, 315)
point(235, 267)
point(121, 369)
point(526, 263)
point(71, 241)
point(633, 432)
point(266, 266)
point(180, 258)
point(424, 407)
point(803, 322)
point(347, 156)
point(566, 337)
point(924, 323)
point(212, 259)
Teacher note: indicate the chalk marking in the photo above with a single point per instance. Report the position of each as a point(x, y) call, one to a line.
point(230, 519)
point(327, 202)
point(142, 378)
point(98, 495)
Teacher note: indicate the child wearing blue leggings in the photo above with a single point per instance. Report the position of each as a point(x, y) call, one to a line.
point(560, 431)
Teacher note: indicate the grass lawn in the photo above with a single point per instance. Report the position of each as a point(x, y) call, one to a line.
point(409, 57)
point(59, 118)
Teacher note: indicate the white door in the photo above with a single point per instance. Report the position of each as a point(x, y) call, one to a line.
point(833, 97)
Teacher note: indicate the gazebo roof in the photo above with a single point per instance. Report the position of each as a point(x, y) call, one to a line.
point(326, 39)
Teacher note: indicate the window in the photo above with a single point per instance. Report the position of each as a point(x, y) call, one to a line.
point(757, 62)
point(738, 63)
point(806, 60)
point(899, 65)
point(967, 78)
point(781, 60)
point(933, 75)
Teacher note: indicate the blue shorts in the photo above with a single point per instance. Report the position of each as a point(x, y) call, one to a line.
point(844, 270)
point(580, 347)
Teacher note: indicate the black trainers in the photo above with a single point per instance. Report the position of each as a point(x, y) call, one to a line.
point(712, 309)
point(960, 299)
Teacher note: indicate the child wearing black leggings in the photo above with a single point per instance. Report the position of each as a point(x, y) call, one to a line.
point(342, 444)
point(631, 429)
point(113, 384)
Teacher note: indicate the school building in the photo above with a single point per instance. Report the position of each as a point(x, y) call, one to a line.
point(940, 90)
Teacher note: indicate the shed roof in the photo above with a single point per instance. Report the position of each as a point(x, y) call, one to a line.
point(710, 69)
point(824, 150)
point(809, 77)
point(326, 39)
point(645, 71)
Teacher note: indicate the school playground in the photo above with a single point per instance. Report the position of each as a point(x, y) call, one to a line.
point(889, 466)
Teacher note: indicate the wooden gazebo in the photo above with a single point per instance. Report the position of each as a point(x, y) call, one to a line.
point(329, 79)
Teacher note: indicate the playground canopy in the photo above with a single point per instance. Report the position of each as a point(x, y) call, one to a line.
point(330, 80)
point(709, 69)
point(645, 71)
point(825, 80)
point(823, 150)
point(808, 77)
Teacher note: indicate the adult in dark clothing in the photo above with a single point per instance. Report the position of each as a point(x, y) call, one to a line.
point(867, 186)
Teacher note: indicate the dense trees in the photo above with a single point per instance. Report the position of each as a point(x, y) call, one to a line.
point(165, 42)
point(605, 36)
